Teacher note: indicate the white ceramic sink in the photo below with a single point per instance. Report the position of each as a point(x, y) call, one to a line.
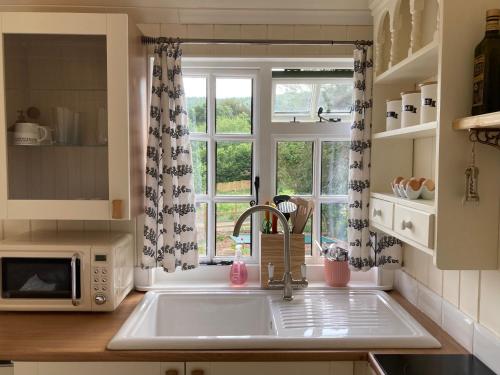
point(261, 320)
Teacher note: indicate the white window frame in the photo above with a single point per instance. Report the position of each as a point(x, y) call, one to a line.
point(266, 132)
point(311, 117)
point(211, 137)
point(316, 195)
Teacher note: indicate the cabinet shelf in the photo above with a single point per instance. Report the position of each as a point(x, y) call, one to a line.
point(417, 204)
point(411, 132)
point(486, 121)
point(416, 67)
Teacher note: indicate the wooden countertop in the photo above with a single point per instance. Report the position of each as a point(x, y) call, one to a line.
point(54, 336)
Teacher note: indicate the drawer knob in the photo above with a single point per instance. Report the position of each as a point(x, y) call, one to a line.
point(172, 372)
point(197, 372)
point(377, 212)
point(406, 225)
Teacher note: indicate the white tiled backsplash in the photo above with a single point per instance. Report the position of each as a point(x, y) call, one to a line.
point(467, 331)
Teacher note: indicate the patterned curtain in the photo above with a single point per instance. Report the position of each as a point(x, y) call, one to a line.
point(358, 234)
point(169, 228)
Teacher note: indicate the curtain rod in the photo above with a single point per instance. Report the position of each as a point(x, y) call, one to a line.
point(156, 40)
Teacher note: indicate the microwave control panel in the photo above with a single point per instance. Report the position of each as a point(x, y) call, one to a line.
point(101, 278)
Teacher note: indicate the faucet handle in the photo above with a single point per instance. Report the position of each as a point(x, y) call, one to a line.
point(303, 271)
point(270, 271)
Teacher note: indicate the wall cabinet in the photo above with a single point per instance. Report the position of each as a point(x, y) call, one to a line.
point(415, 42)
point(72, 116)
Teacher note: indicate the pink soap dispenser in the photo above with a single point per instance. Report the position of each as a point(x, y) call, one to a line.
point(238, 274)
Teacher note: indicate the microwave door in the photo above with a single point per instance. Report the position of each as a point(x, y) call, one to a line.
point(41, 278)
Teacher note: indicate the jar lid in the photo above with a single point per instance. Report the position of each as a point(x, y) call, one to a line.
point(410, 92)
point(393, 100)
point(493, 13)
point(427, 83)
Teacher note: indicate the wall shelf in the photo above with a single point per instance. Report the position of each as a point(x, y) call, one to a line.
point(417, 204)
point(417, 67)
point(484, 129)
point(486, 121)
point(411, 132)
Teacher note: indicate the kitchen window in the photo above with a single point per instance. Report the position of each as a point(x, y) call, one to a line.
point(298, 95)
point(220, 106)
point(231, 112)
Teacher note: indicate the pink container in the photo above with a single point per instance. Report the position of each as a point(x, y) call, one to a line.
point(337, 273)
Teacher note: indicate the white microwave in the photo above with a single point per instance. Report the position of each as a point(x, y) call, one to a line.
point(66, 271)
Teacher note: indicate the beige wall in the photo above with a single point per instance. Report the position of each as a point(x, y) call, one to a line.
point(323, 32)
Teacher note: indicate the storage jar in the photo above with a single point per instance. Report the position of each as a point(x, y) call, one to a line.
point(393, 116)
point(428, 111)
point(410, 108)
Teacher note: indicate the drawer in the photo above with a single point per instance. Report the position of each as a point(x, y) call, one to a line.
point(415, 225)
point(381, 212)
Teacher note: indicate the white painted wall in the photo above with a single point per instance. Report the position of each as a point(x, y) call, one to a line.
point(260, 31)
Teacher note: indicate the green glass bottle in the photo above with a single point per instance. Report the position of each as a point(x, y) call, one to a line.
point(486, 81)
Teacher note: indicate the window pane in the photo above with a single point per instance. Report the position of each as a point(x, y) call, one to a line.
point(199, 154)
point(337, 96)
point(195, 89)
point(308, 236)
point(201, 227)
point(334, 167)
point(226, 216)
point(333, 222)
point(233, 106)
point(295, 167)
point(295, 98)
point(234, 168)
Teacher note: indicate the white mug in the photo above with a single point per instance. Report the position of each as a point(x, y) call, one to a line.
point(28, 134)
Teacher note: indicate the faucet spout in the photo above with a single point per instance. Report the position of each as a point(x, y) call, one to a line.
point(287, 283)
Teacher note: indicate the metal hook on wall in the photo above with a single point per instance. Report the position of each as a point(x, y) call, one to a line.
point(490, 137)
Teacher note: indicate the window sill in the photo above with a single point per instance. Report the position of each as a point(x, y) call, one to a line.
point(216, 277)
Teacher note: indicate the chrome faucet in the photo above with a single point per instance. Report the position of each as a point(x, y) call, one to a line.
point(287, 283)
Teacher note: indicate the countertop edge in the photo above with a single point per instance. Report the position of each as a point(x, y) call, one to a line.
point(73, 337)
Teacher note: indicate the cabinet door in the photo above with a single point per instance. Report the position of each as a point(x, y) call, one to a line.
point(172, 368)
point(261, 368)
point(6, 368)
point(25, 368)
point(64, 118)
point(99, 368)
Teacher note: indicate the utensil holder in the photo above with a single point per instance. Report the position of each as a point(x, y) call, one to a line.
point(337, 273)
point(271, 251)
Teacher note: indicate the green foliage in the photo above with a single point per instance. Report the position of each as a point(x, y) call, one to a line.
point(199, 156)
point(334, 220)
point(293, 98)
point(334, 168)
point(233, 115)
point(234, 161)
point(295, 167)
point(197, 114)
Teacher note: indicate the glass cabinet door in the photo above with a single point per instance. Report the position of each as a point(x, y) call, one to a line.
point(56, 116)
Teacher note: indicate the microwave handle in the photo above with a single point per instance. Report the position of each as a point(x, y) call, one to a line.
point(73, 280)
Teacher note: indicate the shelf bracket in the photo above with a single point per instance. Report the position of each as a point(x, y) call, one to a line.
point(490, 136)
